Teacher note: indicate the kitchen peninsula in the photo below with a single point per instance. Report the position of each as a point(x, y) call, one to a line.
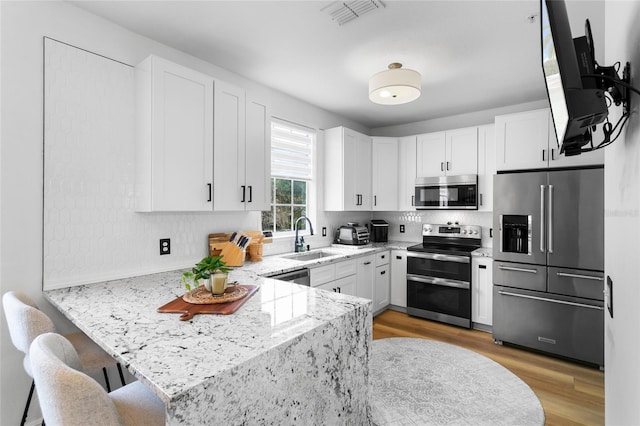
point(290, 354)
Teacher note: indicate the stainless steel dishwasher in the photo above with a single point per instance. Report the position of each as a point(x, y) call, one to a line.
point(299, 276)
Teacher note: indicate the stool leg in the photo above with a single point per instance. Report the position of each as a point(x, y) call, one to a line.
point(26, 407)
point(121, 375)
point(106, 379)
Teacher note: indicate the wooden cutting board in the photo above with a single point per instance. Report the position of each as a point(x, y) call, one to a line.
point(188, 310)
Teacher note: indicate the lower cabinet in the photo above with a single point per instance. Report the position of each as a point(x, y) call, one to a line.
point(482, 290)
point(346, 285)
point(381, 291)
point(399, 278)
point(366, 268)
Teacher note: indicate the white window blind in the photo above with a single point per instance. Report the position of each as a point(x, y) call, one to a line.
point(291, 151)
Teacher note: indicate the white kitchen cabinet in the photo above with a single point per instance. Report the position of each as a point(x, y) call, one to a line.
point(381, 291)
point(346, 285)
point(242, 151)
point(399, 278)
point(384, 173)
point(486, 166)
point(347, 170)
point(339, 277)
point(174, 137)
point(365, 278)
point(482, 290)
point(406, 173)
point(454, 152)
point(527, 140)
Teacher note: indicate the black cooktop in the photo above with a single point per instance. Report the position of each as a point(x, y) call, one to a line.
point(462, 250)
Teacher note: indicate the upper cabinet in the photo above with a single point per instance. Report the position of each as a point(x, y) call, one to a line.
point(347, 170)
point(242, 151)
point(201, 144)
point(527, 140)
point(486, 166)
point(454, 152)
point(385, 173)
point(406, 173)
point(174, 137)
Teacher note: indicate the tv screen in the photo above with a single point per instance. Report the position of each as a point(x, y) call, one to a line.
point(574, 108)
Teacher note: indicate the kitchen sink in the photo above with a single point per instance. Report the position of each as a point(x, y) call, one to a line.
point(309, 255)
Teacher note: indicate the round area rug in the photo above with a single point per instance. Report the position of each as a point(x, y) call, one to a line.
point(424, 382)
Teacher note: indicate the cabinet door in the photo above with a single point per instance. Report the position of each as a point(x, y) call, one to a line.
point(381, 290)
point(181, 138)
point(430, 154)
point(406, 173)
point(462, 152)
point(363, 173)
point(257, 155)
point(346, 285)
point(482, 290)
point(366, 276)
point(399, 278)
point(350, 164)
point(385, 174)
point(229, 147)
point(486, 166)
point(522, 140)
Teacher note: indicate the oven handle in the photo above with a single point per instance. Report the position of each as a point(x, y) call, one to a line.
point(546, 299)
point(438, 256)
point(439, 281)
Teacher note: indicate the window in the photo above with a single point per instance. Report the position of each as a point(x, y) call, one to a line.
point(291, 176)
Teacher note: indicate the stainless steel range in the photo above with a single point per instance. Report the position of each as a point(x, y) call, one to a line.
point(439, 273)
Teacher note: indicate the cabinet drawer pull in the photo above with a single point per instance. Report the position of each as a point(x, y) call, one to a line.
point(250, 193)
point(367, 263)
point(511, 268)
point(482, 266)
point(442, 166)
point(448, 165)
point(480, 199)
point(375, 200)
point(210, 192)
point(413, 203)
point(244, 188)
point(383, 272)
point(399, 257)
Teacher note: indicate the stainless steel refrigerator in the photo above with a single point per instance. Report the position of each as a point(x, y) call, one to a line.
point(549, 262)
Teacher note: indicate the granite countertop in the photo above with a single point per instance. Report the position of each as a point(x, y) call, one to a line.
point(170, 355)
point(483, 252)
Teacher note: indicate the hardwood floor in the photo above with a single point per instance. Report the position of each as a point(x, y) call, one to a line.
point(570, 393)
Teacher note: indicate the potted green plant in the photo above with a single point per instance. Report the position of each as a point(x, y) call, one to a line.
point(202, 272)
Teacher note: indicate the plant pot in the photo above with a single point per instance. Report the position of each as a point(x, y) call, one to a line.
point(219, 283)
point(206, 282)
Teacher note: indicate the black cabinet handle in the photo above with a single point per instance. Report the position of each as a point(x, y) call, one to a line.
point(399, 257)
point(413, 203)
point(375, 200)
point(383, 272)
point(210, 192)
point(480, 199)
point(441, 166)
point(250, 193)
point(482, 266)
point(367, 263)
point(447, 165)
point(243, 191)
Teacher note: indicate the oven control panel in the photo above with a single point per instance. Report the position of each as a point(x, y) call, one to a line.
point(451, 230)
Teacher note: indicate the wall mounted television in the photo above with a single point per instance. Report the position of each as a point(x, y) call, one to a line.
point(580, 91)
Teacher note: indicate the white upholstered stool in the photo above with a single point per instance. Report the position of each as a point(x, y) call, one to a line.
point(26, 322)
point(69, 397)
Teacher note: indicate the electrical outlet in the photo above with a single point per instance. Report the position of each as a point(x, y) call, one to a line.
point(165, 246)
point(402, 228)
point(324, 231)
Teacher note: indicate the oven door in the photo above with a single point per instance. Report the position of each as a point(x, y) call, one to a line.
point(439, 287)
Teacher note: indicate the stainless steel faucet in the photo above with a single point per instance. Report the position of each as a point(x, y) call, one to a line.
point(298, 244)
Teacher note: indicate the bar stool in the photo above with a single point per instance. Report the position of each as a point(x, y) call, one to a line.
point(26, 322)
point(70, 397)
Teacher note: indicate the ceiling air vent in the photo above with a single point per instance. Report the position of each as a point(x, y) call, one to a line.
point(345, 11)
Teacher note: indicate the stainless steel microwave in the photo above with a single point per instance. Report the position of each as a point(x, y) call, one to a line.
point(447, 193)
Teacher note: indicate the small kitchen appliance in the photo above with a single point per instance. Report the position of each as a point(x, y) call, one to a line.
point(446, 193)
point(439, 273)
point(379, 231)
point(352, 234)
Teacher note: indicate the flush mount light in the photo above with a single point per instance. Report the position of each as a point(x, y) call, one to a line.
point(394, 86)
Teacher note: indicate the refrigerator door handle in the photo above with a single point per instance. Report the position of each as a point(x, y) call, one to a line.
point(550, 230)
point(542, 218)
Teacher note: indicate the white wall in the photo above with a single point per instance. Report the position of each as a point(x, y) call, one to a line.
point(622, 229)
point(23, 26)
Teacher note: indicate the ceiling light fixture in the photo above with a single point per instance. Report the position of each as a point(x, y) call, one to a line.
point(394, 86)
